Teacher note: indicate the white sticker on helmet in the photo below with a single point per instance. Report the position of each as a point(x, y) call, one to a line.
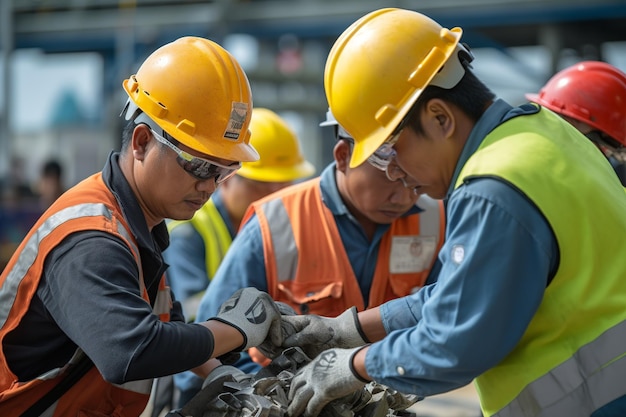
point(238, 115)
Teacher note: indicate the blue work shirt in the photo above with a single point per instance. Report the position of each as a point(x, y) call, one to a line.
point(244, 264)
point(498, 257)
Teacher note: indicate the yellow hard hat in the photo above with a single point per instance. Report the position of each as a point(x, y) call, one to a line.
point(198, 93)
point(380, 65)
point(281, 158)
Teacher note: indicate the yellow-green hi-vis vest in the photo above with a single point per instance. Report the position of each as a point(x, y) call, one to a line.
point(211, 226)
point(571, 359)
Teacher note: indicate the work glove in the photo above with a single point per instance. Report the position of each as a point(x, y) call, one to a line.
point(254, 314)
point(328, 377)
point(314, 334)
point(267, 348)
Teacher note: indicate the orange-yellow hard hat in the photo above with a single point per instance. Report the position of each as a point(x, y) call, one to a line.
point(380, 65)
point(591, 92)
point(198, 93)
point(281, 158)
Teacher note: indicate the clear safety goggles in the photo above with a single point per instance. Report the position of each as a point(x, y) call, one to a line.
point(200, 168)
point(380, 158)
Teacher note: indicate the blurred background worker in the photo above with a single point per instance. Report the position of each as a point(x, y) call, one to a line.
point(197, 246)
point(350, 237)
point(50, 184)
point(591, 95)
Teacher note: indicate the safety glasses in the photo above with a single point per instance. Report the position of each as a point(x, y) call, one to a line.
point(385, 152)
point(379, 159)
point(200, 168)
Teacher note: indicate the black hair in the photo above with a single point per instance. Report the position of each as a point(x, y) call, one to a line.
point(52, 168)
point(470, 95)
point(127, 134)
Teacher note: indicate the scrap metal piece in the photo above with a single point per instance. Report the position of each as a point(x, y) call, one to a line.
point(229, 392)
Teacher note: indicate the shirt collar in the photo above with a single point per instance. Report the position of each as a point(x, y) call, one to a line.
point(491, 118)
point(114, 178)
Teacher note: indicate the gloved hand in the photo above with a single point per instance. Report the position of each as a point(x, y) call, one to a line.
point(328, 377)
point(269, 349)
point(314, 334)
point(254, 314)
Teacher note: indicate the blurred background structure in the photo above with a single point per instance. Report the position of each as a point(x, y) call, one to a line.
point(62, 63)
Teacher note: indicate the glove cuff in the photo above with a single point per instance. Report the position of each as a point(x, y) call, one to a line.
point(245, 337)
point(357, 324)
point(351, 364)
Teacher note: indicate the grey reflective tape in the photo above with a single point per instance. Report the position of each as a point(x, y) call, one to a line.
point(50, 410)
point(163, 302)
point(580, 385)
point(430, 217)
point(29, 253)
point(283, 239)
point(143, 386)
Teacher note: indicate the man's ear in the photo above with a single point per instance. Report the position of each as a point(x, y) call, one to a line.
point(342, 155)
point(439, 119)
point(139, 142)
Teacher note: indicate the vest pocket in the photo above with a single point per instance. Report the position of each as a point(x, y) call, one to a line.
point(320, 298)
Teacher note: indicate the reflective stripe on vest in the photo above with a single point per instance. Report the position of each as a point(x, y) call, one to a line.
point(29, 253)
point(285, 247)
point(141, 386)
point(571, 355)
point(576, 380)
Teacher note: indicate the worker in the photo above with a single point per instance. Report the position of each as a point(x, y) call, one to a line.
point(197, 246)
point(339, 240)
point(529, 300)
point(86, 321)
point(591, 95)
point(50, 185)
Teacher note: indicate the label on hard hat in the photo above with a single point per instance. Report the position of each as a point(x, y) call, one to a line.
point(238, 115)
point(411, 253)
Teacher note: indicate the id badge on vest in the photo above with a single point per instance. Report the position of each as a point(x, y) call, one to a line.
point(411, 253)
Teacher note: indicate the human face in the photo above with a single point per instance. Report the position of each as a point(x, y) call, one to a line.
point(429, 162)
point(369, 195)
point(166, 189)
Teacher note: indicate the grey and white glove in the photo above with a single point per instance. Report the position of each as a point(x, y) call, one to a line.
point(254, 314)
point(314, 334)
point(269, 349)
point(328, 377)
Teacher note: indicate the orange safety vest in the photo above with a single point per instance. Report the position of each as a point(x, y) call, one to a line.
point(87, 206)
point(307, 265)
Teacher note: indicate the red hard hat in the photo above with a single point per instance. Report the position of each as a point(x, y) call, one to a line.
point(592, 92)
